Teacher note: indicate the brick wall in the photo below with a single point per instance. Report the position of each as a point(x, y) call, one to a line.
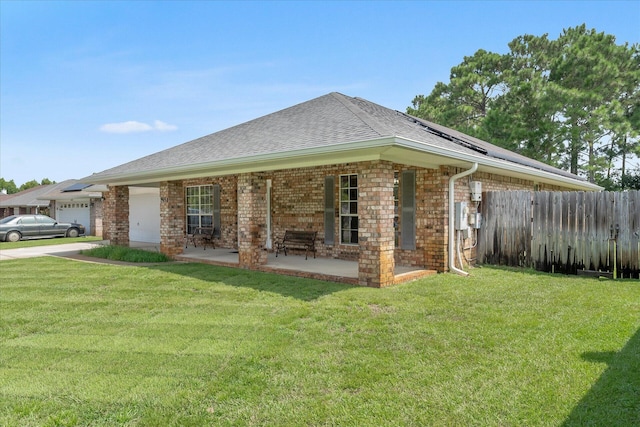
point(172, 217)
point(297, 203)
point(228, 206)
point(116, 215)
point(252, 216)
point(375, 219)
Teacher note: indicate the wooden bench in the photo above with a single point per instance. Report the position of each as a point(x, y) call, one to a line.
point(202, 235)
point(297, 240)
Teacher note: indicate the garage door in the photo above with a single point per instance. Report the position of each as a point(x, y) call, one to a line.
point(74, 212)
point(144, 214)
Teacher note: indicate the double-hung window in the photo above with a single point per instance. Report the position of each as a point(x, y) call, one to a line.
point(349, 209)
point(199, 207)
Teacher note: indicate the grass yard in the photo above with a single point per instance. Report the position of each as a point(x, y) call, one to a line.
point(195, 345)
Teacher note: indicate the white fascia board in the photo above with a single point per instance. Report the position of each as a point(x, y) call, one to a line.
point(262, 162)
point(371, 149)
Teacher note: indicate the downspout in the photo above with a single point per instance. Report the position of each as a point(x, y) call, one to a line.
point(452, 198)
point(269, 243)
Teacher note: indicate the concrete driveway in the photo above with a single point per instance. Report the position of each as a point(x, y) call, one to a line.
point(57, 250)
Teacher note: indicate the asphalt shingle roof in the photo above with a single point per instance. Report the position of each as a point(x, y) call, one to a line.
point(328, 120)
point(28, 197)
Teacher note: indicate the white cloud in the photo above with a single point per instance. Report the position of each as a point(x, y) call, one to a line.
point(163, 127)
point(133, 126)
point(125, 127)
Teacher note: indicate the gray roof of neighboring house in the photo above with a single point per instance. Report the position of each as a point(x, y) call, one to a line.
point(72, 189)
point(43, 194)
point(327, 122)
point(27, 197)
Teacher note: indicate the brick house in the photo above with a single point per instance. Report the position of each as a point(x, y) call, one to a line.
point(372, 182)
point(24, 202)
point(66, 201)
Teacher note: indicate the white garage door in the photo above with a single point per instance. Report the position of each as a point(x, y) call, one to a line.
point(74, 212)
point(144, 214)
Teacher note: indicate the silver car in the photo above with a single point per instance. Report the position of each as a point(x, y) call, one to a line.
point(17, 227)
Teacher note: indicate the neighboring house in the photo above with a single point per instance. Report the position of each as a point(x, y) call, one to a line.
point(74, 201)
point(372, 182)
point(3, 197)
point(25, 202)
point(66, 201)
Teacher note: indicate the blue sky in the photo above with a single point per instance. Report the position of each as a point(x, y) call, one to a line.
point(85, 86)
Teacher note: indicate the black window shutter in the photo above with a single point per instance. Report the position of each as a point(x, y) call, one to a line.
point(329, 210)
point(408, 219)
point(216, 210)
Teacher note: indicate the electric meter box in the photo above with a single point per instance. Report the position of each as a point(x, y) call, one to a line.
point(477, 220)
point(476, 191)
point(461, 212)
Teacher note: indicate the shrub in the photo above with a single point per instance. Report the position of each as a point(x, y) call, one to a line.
point(123, 253)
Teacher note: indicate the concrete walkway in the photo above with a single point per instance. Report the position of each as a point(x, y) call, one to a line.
point(330, 269)
point(57, 250)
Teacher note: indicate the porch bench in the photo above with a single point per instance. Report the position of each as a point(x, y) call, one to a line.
point(202, 235)
point(303, 240)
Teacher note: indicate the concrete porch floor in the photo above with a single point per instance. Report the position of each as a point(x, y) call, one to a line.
point(329, 269)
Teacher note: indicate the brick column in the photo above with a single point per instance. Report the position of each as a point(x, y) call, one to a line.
point(375, 225)
point(172, 217)
point(116, 215)
point(252, 219)
point(436, 202)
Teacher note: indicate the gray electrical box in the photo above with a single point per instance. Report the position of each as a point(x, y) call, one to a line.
point(477, 220)
point(461, 215)
point(476, 191)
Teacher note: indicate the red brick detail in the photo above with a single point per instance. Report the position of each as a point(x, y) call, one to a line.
point(252, 219)
point(172, 217)
point(116, 215)
point(375, 225)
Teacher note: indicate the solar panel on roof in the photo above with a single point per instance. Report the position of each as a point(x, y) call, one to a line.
point(78, 186)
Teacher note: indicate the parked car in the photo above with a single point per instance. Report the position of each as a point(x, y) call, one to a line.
point(17, 227)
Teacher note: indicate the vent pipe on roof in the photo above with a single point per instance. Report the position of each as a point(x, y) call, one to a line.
point(452, 200)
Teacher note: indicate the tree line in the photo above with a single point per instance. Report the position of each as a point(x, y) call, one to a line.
point(11, 188)
point(573, 103)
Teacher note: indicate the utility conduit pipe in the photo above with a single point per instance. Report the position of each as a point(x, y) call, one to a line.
point(452, 199)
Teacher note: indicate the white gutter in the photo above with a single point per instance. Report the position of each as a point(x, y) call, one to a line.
point(269, 243)
point(452, 198)
point(194, 170)
point(494, 163)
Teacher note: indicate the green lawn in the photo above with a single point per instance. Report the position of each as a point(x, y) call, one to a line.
point(196, 345)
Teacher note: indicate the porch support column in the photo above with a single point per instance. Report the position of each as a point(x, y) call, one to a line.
point(375, 229)
point(252, 219)
point(116, 215)
point(172, 217)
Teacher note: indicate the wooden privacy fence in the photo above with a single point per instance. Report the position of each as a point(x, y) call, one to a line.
point(565, 232)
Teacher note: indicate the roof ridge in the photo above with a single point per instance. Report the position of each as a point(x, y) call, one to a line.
point(357, 111)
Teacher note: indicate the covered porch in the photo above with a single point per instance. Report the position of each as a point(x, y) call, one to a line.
point(356, 240)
